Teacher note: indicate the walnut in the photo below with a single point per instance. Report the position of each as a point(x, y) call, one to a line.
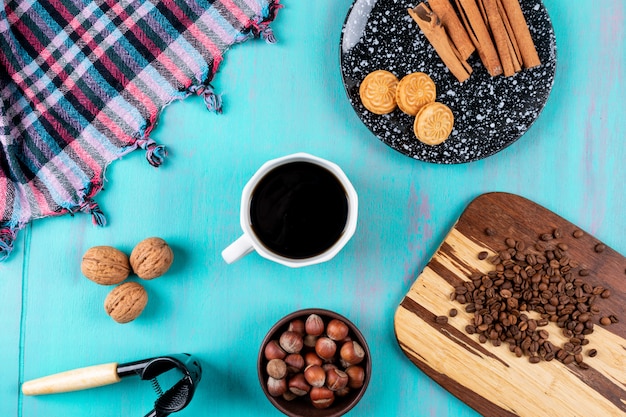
point(151, 258)
point(126, 302)
point(105, 265)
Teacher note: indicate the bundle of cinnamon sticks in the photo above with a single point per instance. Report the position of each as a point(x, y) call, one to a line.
point(496, 29)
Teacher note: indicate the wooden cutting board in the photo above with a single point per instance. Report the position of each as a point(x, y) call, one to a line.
point(490, 379)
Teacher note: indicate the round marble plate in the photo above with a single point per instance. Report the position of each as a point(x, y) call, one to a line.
point(490, 112)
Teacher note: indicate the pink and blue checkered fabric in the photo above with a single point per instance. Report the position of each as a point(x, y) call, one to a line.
point(82, 83)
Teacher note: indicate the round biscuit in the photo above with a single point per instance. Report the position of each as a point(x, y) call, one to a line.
point(378, 92)
point(414, 91)
point(433, 123)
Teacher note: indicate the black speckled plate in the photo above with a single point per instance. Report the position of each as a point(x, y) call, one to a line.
point(490, 112)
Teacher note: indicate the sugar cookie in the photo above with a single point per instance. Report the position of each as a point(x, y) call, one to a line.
point(433, 123)
point(414, 91)
point(378, 92)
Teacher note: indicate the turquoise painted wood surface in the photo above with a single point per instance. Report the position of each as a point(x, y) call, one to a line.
point(281, 99)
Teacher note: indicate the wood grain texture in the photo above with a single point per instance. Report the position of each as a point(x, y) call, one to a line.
point(280, 99)
point(492, 379)
point(73, 380)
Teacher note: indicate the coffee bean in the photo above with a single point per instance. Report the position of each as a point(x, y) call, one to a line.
point(546, 237)
point(605, 321)
point(441, 319)
point(605, 294)
point(490, 232)
point(600, 247)
point(453, 312)
point(543, 279)
point(583, 365)
point(578, 233)
point(592, 353)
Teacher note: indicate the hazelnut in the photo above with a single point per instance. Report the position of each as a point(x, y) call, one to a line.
point(311, 358)
point(291, 342)
point(309, 340)
point(295, 362)
point(276, 368)
point(151, 258)
point(352, 353)
point(298, 385)
point(328, 366)
point(297, 326)
point(322, 397)
point(274, 351)
point(105, 265)
point(356, 376)
point(289, 396)
point(342, 392)
point(126, 302)
point(315, 375)
point(337, 330)
point(276, 387)
point(336, 379)
point(314, 325)
point(326, 348)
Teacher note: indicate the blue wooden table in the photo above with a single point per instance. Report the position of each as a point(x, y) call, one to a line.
point(281, 99)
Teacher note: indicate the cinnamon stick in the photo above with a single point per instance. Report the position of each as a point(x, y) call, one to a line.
point(431, 26)
point(509, 31)
point(485, 47)
point(454, 28)
point(500, 37)
point(530, 58)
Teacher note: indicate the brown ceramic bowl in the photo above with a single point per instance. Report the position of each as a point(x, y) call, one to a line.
point(302, 406)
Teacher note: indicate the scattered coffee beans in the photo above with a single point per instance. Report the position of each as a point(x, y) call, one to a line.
point(539, 278)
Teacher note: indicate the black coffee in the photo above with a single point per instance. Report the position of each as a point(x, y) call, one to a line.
point(299, 210)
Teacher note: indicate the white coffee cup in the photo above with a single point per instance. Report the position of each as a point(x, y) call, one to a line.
point(251, 240)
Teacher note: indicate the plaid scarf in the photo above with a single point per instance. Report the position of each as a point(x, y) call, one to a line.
point(82, 83)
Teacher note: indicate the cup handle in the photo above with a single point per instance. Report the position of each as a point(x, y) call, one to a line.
point(238, 249)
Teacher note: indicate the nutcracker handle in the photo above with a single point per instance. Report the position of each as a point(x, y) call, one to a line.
point(73, 380)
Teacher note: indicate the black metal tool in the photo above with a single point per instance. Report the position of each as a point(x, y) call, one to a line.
point(174, 399)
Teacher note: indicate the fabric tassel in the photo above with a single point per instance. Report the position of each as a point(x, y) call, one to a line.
point(97, 216)
point(7, 237)
point(268, 34)
point(212, 101)
point(155, 154)
point(264, 28)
